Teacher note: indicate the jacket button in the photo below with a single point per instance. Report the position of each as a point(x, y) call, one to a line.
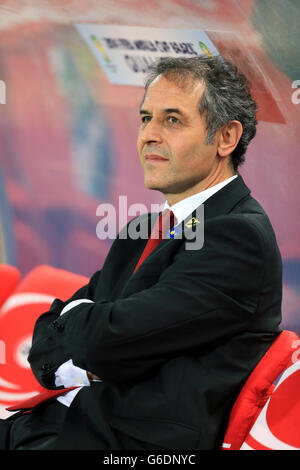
point(46, 367)
point(57, 325)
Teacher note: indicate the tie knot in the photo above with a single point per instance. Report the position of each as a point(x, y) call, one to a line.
point(164, 223)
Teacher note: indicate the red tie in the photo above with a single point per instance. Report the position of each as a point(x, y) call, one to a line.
point(162, 225)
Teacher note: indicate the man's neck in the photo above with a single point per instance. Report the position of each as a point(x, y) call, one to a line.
point(186, 206)
point(207, 183)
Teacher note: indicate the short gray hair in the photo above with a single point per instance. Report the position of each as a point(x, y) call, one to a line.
point(226, 95)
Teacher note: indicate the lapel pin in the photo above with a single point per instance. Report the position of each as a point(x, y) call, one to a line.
point(192, 222)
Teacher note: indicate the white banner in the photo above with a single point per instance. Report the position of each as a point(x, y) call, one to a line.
point(126, 52)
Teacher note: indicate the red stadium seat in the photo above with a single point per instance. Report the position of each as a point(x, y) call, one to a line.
point(32, 296)
point(277, 425)
point(266, 416)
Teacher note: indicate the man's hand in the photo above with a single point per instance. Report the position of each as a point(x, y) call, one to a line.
point(92, 376)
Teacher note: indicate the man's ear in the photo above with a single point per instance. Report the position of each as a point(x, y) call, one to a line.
point(229, 137)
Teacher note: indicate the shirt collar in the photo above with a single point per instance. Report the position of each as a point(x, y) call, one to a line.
point(185, 207)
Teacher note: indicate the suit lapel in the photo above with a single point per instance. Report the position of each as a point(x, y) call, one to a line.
point(222, 202)
point(226, 199)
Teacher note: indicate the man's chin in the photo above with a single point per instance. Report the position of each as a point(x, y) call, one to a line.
point(155, 187)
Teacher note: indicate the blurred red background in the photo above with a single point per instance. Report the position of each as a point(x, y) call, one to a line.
point(68, 136)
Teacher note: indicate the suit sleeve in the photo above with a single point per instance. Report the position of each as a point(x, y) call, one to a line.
point(40, 333)
point(203, 297)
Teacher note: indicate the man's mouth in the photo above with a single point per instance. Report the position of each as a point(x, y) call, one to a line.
point(151, 157)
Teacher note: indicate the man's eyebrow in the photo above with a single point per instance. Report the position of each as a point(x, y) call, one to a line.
point(144, 111)
point(173, 110)
point(167, 111)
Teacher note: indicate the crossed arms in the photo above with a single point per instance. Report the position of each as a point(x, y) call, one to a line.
point(202, 298)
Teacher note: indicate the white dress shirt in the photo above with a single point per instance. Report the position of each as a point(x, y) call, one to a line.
point(69, 375)
point(185, 207)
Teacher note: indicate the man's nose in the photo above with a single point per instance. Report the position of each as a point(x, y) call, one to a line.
point(152, 133)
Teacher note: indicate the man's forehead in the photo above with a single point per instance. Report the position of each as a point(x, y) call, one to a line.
point(164, 89)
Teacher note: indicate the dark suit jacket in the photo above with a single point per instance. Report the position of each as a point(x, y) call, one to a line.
point(174, 342)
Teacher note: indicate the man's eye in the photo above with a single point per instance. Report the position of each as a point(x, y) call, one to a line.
point(145, 119)
point(173, 120)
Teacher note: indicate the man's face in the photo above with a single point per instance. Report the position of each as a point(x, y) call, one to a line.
point(171, 141)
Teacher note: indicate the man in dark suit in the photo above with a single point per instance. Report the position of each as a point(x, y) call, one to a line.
point(161, 347)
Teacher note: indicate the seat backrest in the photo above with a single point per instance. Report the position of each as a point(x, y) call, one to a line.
point(277, 425)
point(32, 297)
point(258, 388)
